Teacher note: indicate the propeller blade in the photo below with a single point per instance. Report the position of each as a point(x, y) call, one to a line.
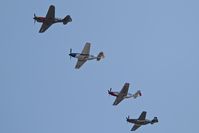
point(34, 18)
point(109, 90)
point(70, 52)
point(127, 117)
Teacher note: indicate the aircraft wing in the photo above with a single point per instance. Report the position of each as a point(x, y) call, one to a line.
point(44, 27)
point(125, 89)
point(142, 116)
point(122, 94)
point(86, 49)
point(118, 99)
point(135, 127)
point(80, 63)
point(50, 15)
point(51, 12)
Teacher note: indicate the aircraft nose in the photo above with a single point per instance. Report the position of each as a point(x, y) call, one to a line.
point(34, 16)
point(127, 118)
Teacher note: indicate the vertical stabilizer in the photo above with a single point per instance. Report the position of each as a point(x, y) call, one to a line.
point(137, 94)
point(100, 56)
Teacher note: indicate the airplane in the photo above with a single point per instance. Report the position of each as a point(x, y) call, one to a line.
point(85, 55)
point(123, 94)
point(50, 19)
point(141, 121)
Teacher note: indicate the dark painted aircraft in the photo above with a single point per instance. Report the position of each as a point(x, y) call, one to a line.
point(141, 121)
point(123, 94)
point(50, 19)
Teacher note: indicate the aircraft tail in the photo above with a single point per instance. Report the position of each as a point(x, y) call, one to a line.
point(137, 94)
point(67, 19)
point(155, 120)
point(100, 56)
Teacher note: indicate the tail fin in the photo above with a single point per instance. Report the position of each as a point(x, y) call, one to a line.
point(100, 56)
point(67, 19)
point(137, 94)
point(155, 120)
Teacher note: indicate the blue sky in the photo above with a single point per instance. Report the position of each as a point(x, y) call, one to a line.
point(153, 45)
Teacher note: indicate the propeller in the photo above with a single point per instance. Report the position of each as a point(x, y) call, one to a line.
point(70, 52)
point(34, 18)
point(127, 117)
point(109, 90)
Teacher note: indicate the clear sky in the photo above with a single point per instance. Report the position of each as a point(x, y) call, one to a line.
point(153, 45)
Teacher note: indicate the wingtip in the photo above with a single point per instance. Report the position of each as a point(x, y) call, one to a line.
point(144, 112)
point(52, 6)
point(114, 104)
point(127, 83)
point(88, 43)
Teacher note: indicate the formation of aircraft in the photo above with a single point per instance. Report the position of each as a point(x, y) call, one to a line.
point(123, 94)
point(85, 55)
point(141, 121)
point(50, 19)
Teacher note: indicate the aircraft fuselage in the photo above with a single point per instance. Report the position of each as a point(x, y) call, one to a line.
point(117, 93)
point(139, 122)
point(82, 56)
point(48, 20)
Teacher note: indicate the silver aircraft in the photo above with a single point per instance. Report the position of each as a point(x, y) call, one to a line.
point(85, 55)
point(141, 121)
